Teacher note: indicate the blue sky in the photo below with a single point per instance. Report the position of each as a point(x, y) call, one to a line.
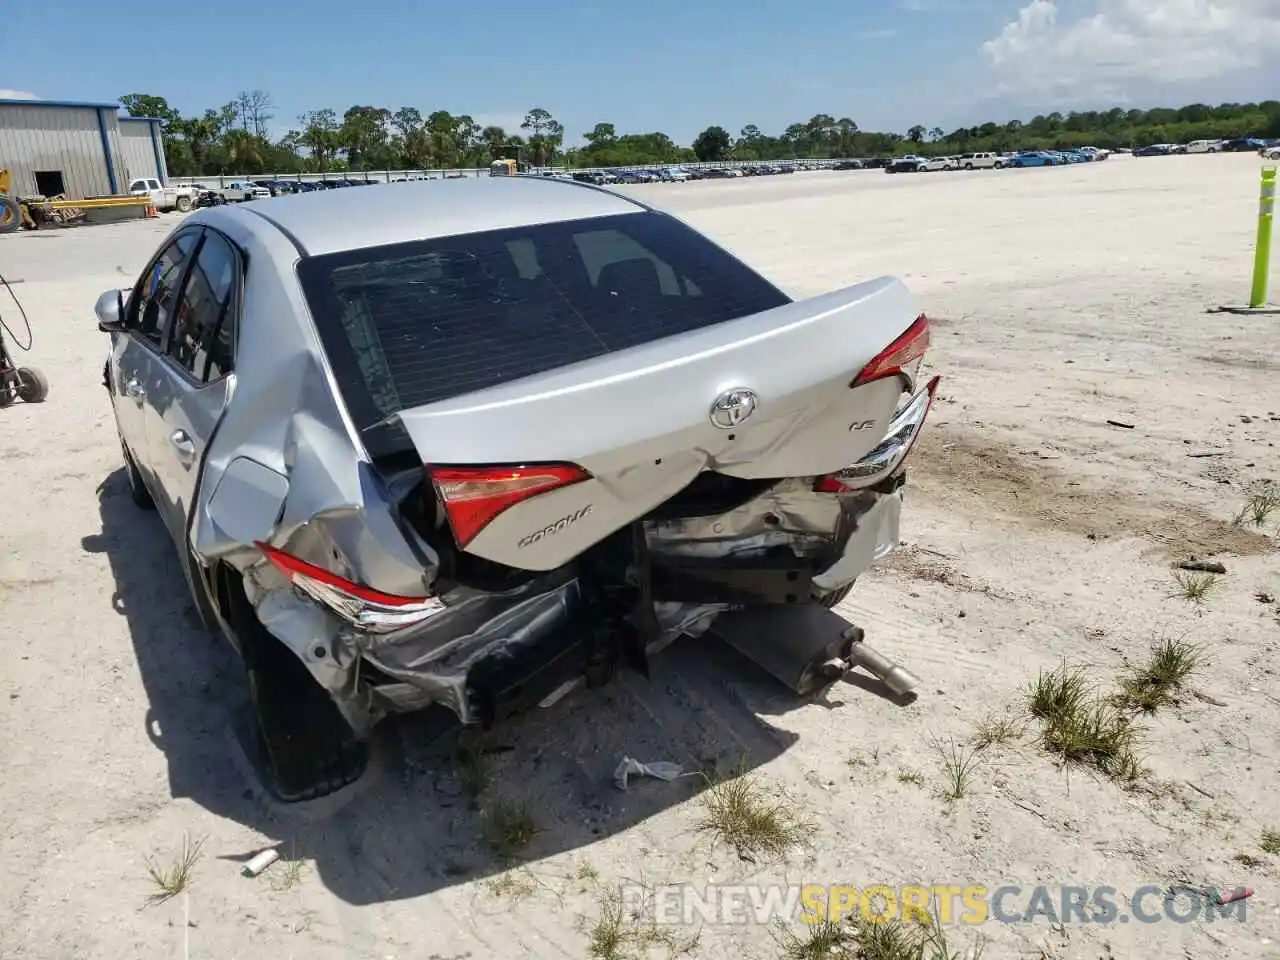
point(660, 64)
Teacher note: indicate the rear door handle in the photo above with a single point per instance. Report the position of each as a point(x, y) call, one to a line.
point(185, 446)
point(133, 388)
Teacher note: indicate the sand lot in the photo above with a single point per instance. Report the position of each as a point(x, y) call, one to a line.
point(1036, 534)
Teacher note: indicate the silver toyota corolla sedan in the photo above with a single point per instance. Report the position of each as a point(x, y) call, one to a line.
point(477, 442)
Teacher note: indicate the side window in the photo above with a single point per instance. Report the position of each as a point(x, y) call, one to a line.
point(204, 330)
point(156, 294)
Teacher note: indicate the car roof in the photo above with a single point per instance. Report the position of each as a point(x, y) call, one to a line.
point(331, 221)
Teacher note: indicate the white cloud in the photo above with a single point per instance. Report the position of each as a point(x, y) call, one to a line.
point(1119, 43)
point(7, 94)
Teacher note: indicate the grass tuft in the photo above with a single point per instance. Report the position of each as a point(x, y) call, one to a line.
point(1057, 692)
point(512, 885)
point(1096, 735)
point(912, 778)
point(741, 813)
point(508, 828)
point(996, 731)
point(958, 765)
point(474, 772)
point(1270, 842)
point(1194, 586)
point(820, 942)
point(617, 935)
point(287, 877)
point(896, 940)
point(1158, 682)
point(1082, 729)
point(1260, 506)
point(171, 880)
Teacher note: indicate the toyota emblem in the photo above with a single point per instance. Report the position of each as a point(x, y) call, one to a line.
point(733, 407)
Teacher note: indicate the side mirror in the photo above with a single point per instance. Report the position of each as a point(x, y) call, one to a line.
point(110, 311)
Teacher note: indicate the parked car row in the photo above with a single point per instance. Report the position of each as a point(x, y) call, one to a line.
point(1233, 145)
point(681, 174)
point(913, 163)
point(239, 191)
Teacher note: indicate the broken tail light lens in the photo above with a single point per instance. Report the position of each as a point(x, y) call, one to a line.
point(363, 607)
point(889, 362)
point(890, 453)
point(473, 497)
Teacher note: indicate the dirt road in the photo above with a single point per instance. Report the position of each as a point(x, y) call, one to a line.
point(1095, 425)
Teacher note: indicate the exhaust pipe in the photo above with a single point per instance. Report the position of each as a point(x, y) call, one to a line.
point(807, 647)
point(893, 675)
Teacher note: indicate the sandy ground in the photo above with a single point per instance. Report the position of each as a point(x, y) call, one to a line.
point(1035, 532)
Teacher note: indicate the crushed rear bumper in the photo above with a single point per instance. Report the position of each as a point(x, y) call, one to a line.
point(780, 548)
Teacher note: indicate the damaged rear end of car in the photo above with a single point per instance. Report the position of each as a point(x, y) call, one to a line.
point(575, 442)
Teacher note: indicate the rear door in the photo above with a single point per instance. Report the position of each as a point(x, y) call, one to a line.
point(192, 377)
point(619, 357)
point(135, 353)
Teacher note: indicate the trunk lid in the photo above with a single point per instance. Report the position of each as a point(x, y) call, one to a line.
point(640, 421)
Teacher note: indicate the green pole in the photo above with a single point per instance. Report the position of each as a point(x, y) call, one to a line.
point(1262, 246)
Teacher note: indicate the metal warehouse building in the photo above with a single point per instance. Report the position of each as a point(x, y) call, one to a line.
point(80, 149)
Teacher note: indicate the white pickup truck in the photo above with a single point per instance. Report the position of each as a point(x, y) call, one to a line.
point(980, 161)
point(181, 199)
point(239, 191)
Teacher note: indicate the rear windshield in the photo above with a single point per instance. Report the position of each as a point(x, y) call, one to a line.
point(419, 322)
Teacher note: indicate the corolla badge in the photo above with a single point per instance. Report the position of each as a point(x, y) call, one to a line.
point(732, 407)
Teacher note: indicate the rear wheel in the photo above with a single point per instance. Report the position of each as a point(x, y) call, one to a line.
point(32, 385)
point(183, 204)
point(306, 748)
point(302, 746)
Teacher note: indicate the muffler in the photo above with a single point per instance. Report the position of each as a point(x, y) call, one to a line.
point(807, 647)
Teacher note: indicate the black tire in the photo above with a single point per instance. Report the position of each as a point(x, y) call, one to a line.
point(306, 749)
point(138, 492)
point(183, 204)
point(832, 598)
point(968, 166)
point(32, 385)
point(10, 215)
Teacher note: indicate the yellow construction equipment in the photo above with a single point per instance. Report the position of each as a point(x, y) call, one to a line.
point(507, 162)
point(13, 215)
point(17, 213)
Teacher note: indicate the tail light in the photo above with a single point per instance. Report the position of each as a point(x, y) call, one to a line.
point(889, 455)
point(363, 607)
point(474, 496)
point(911, 346)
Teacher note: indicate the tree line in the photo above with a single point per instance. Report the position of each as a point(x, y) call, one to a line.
point(236, 138)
